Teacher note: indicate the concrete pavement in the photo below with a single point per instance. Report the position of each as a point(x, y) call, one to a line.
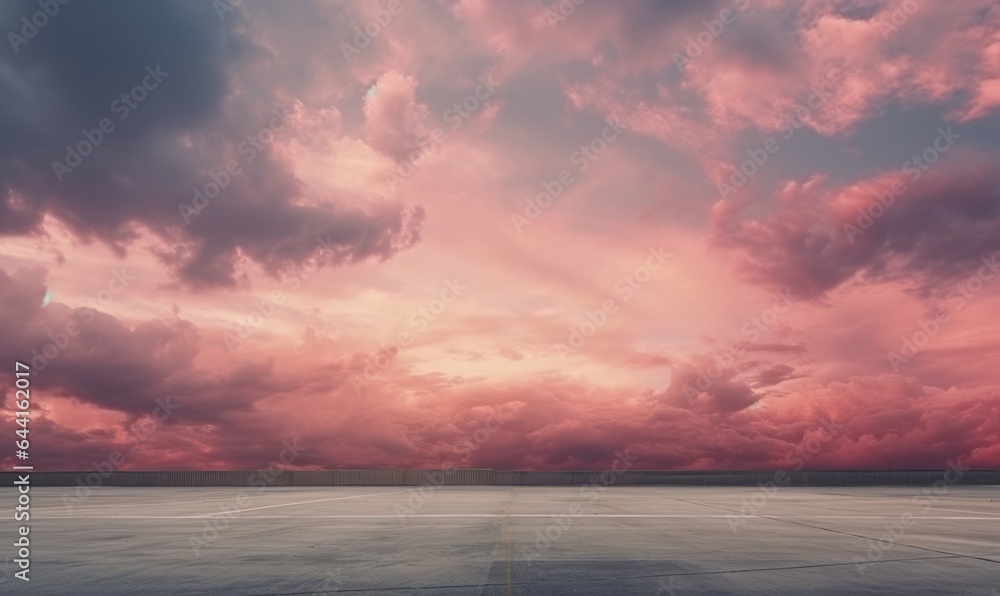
point(510, 540)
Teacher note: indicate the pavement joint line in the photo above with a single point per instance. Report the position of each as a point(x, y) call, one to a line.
point(622, 578)
point(167, 502)
point(300, 503)
point(174, 503)
point(965, 511)
point(510, 543)
point(842, 533)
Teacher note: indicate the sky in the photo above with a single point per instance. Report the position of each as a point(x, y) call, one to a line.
point(750, 234)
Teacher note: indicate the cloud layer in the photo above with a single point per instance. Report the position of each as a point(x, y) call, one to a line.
point(413, 239)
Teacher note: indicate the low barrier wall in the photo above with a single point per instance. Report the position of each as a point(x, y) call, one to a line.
point(486, 477)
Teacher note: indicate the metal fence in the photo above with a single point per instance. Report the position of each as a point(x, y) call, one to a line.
point(487, 477)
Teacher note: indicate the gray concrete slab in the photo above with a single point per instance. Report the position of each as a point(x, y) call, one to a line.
point(509, 540)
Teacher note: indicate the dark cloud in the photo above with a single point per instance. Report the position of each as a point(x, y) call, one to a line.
point(775, 347)
point(934, 233)
point(102, 361)
point(510, 353)
point(705, 386)
point(188, 124)
point(774, 375)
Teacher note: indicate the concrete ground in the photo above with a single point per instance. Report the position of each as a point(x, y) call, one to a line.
point(509, 540)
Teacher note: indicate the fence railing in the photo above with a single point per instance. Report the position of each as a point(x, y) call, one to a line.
point(487, 477)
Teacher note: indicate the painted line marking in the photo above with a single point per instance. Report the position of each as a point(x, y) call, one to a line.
point(496, 515)
point(104, 506)
point(396, 492)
